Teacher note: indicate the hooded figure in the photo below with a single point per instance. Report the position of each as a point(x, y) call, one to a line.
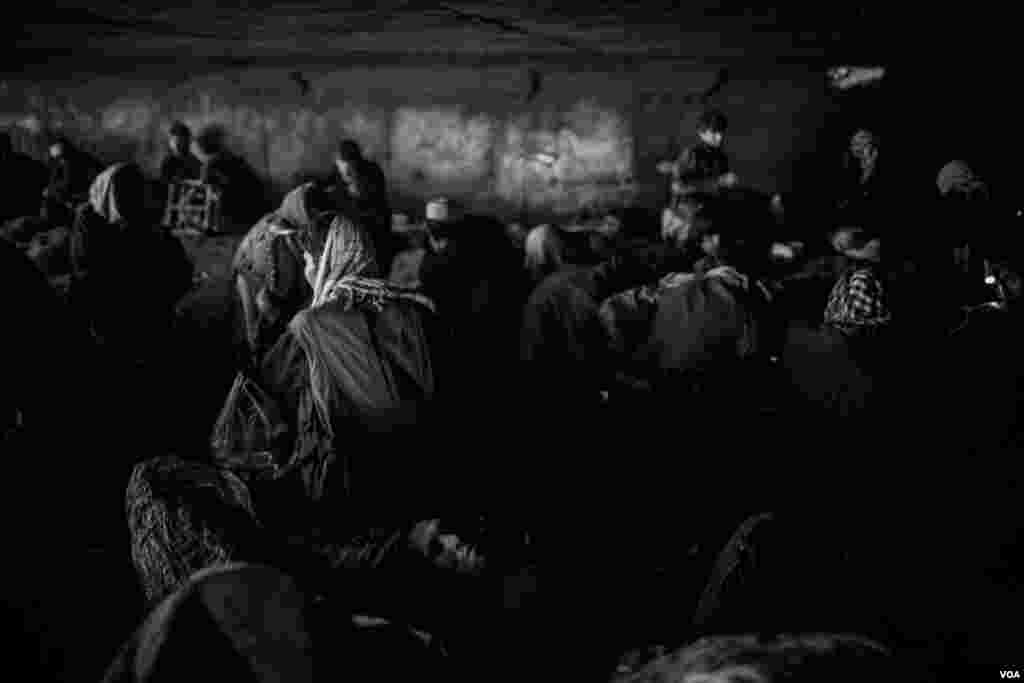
point(268, 265)
point(357, 362)
point(543, 252)
point(115, 246)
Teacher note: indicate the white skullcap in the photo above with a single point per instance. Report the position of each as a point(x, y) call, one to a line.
point(437, 210)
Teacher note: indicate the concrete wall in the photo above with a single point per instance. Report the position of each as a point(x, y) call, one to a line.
point(459, 131)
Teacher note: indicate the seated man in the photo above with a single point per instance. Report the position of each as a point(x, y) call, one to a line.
point(243, 196)
point(703, 167)
point(181, 164)
point(858, 302)
point(711, 324)
point(361, 181)
point(980, 257)
point(71, 174)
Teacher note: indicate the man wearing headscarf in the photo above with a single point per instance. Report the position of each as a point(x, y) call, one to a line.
point(358, 364)
point(268, 265)
point(115, 246)
point(542, 252)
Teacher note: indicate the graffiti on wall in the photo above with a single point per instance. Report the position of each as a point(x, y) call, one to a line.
point(583, 157)
point(441, 149)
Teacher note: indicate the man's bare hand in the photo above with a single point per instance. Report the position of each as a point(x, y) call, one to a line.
point(729, 179)
point(666, 167)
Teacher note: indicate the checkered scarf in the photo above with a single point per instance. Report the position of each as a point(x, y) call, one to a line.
point(348, 272)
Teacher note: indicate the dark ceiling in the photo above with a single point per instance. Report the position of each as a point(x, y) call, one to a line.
point(653, 29)
point(501, 30)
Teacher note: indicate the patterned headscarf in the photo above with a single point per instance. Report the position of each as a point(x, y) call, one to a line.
point(103, 194)
point(348, 271)
point(347, 274)
point(295, 212)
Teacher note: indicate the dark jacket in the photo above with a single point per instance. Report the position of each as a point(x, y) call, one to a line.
point(24, 180)
point(383, 375)
point(177, 167)
point(71, 175)
point(243, 196)
point(699, 167)
point(373, 206)
point(563, 335)
point(109, 260)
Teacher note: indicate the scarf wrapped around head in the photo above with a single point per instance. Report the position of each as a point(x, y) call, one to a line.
point(543, 253)
point(103, 194)
point(347, 272)
point(296, 213)
point(346, 275)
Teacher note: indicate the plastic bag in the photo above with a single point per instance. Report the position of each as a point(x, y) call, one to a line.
point(249, 432)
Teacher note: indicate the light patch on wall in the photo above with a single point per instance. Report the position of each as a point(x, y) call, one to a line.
point(302, 141)
point(129, 118)
point(246, 126)
point(370, 133)
point(27, 122)
point(586, 159)
point(442, 147)
point(365, 125)
point(293, 137)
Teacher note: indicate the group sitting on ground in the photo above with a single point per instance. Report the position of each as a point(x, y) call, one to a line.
point(422, 423)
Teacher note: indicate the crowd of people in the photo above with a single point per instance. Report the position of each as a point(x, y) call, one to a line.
point(415, 424)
